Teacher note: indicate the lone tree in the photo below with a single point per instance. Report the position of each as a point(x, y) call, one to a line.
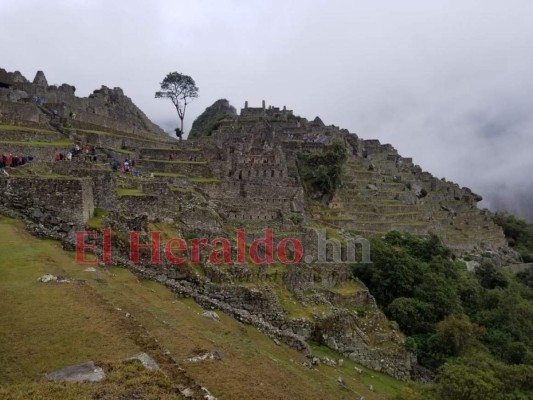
point(181, 89)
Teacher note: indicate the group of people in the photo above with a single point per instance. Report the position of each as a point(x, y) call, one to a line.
point(88, 151)
point(127, 167)
point(10, 160)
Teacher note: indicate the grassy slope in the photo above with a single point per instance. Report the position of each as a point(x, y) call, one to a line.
point(44, 327)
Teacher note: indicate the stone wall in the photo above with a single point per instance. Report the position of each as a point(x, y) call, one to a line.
point(20, 114)
point(102, 182)
point(19, 135)
point(51, 201)
point(117, 141)
point(190, 169)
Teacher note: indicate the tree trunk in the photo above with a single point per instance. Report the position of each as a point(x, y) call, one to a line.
point(181, 136)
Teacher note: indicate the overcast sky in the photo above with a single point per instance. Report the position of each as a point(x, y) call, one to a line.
point(449, 83)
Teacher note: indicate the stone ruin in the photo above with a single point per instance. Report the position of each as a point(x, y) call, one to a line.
point(243, 175)
point(104, 108)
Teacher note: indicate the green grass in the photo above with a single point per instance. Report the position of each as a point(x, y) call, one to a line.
point(136, 137)
point(175, 161)
point(56, 143)
point(203, 180)
point(96, 222)
point(130, 192)
point(171, 150)
point(384, 385)
point(122, 380)
point(45, 327)
point(348, 289)
point(25, 129)
point(173, 174)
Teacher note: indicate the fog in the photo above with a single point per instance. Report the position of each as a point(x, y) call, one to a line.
point(449, 83)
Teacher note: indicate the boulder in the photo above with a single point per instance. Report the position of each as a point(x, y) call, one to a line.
point(47, 278)
point(211, 315)
point(147, 361)
point(86, 372)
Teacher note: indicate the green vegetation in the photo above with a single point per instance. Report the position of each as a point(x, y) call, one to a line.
point(45, 327)
point(55, 143)
point(210, 119)
point(173, 174)
point(296, 219)
point(96, 222)
point(456, 321)
point(200, 179)
point(25, 129)
point(130, 192)
point(519, 234)
point(181, 90)
point(175, 161)
point(125, 380)
point(321, 172)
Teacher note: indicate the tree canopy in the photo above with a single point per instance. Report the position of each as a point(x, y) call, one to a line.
point(181, 90)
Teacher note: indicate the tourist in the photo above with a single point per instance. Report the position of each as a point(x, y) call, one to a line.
point(69, 156)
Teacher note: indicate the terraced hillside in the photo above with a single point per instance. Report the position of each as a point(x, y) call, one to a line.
point(128, 176)
point(377, 196)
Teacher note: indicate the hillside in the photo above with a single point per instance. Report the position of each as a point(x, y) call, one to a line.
point(109, 315)
point(333, 193)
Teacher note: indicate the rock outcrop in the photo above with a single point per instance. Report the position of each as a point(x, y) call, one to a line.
point(208, 121)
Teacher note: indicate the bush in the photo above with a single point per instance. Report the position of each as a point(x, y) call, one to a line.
point(321, 172)
point(519, 234)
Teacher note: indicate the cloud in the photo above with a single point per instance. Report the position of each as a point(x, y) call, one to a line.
point(446, 82)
